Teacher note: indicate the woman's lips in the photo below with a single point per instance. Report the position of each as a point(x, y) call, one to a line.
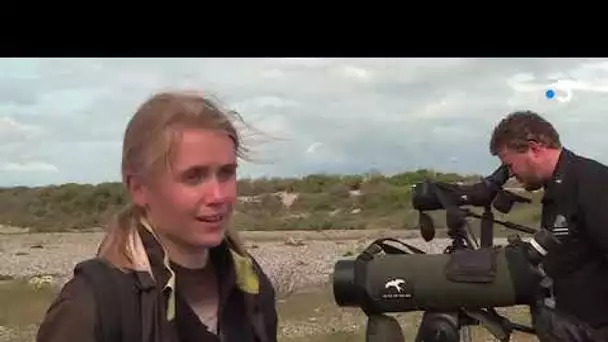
point(211, 218)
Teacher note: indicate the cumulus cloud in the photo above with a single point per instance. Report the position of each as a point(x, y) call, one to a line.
point(31, 166)
point(12, 130)
point(63, 119)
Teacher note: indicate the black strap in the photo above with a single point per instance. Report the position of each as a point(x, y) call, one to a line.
point(115, 299)
point(393, 250)
point(257, 317)
point(102, 283)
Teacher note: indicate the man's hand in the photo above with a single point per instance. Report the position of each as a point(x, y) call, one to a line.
point(553, 326)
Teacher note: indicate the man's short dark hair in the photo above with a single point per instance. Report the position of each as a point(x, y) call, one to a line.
point(520, 128)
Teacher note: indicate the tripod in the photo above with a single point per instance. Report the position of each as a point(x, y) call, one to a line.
point(456, 326)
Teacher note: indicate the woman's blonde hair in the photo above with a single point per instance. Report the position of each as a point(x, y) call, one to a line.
point(147, 149)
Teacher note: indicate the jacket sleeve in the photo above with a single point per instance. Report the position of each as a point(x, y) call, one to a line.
point(71, 316)
point(593, 202)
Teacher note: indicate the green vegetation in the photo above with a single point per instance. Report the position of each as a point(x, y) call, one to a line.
point(303, 317)
point(13, 295)
point(316, 202)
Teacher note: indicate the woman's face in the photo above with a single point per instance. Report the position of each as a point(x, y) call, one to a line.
point(191, 203)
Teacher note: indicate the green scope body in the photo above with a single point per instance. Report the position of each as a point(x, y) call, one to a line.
point(482, 278)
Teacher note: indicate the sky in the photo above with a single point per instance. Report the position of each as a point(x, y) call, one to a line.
point(62, 120)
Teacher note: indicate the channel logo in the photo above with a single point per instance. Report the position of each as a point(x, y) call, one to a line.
point(559, 91)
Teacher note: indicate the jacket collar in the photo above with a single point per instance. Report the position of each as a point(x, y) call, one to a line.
point(234, 268)
point(561, 177)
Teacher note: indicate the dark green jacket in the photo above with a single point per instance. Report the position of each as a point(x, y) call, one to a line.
point(100, 301)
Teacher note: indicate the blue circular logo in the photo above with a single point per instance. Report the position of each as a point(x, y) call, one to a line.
point(550, 94)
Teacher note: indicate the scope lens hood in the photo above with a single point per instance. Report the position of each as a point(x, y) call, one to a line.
point(346, 292)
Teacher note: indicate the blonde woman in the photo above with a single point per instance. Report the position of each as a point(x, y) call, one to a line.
point(169, 269)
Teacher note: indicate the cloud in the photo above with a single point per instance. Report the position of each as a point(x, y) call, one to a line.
point(356, 73)
point(264, 103)
point(12, 130)
point(63, 119)
point(31, 166)
point(313, 147)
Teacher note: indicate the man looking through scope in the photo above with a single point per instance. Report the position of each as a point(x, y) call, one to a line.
point(464, 284)
point(461, 286)
point(574, 208)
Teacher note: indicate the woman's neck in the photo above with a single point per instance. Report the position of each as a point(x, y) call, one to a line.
point(186, 256)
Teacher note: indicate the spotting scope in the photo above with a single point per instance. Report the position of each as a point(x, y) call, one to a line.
point(460, 287)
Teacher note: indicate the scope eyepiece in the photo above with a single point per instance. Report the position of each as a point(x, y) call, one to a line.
point(499, 177)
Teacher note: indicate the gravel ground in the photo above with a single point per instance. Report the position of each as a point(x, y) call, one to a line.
point(301, 259)
point(293, 260)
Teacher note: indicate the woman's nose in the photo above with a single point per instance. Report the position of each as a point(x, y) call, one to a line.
point(214, 191)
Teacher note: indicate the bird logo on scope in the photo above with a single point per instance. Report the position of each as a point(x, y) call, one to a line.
point(397, 284)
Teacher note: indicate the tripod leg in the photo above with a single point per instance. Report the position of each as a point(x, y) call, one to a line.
point(439, 327)
point(383, 328)
point(465, 334)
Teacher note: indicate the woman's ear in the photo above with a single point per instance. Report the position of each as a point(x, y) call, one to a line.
point(136, 189)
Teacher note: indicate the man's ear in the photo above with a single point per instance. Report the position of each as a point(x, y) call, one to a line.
point(136, 189)
point(535, 147)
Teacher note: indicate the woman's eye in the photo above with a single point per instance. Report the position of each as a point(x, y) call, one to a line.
point(194, 177)
point(199, 175)
point(226, 173)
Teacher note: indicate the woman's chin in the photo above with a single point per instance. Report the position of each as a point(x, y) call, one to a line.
point(208, 239)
